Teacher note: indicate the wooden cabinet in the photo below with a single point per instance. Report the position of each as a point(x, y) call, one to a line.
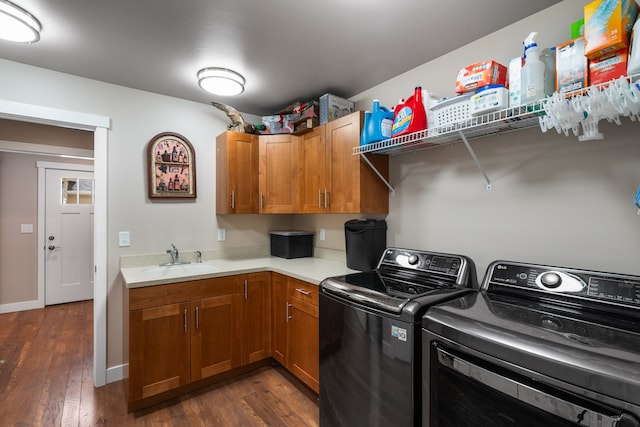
point(159, 350)
point(303, 332)
point(278, 174)
point(295, 328)
point(354, 186)
point(333, 180)
point(236, 173)
point(185, 332)
point(280, 307)
point(256, 318)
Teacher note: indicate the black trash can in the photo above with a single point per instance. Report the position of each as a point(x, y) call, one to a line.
point(365, 241)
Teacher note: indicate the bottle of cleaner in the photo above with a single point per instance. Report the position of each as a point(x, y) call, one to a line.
point(410, 116)
point(377, 126)
point(532, 77)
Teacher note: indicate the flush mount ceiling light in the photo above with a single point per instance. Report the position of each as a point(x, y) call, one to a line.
point(18, 25)
point(221, 81)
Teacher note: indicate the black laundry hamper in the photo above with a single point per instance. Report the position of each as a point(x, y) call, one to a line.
point(365, 242)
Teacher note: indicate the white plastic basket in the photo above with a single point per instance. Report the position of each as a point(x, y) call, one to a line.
point(451, 111)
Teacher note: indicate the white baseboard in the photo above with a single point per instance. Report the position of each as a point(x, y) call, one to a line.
point(117, 373)
point(20, 306)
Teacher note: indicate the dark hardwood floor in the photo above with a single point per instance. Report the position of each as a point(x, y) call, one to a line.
point(46, 379)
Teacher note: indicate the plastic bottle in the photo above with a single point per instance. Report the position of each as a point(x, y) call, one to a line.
point(548, 57)
point(532, 77)
point(377, 124)
point(409, 117)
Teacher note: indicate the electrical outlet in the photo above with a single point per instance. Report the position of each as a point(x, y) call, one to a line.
point(222, 234)
point(323, 234)
point(124, 239)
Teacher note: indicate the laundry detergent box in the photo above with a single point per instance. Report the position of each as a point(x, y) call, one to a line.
point(607, 26)
point(572, 72)
point(333, 107)
point(608, 67)
point(514, 78)
point(479, 75)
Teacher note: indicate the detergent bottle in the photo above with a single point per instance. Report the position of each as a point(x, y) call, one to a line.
point(377, 126)
point(532, 77)
point(409, 116)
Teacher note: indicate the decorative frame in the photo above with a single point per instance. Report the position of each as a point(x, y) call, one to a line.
point(171, 171)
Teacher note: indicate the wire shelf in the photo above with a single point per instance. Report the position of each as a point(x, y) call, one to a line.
point(506, 120)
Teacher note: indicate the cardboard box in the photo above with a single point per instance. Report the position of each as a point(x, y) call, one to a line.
point(307, 109)
point(608, 67)
point(279, 123)
point(607, 26)
point(572, 72)
point(514, 78)
point(577, 29)
point(481, 74)
point(332, 107)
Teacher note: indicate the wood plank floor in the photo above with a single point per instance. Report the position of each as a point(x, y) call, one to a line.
point(46, 379)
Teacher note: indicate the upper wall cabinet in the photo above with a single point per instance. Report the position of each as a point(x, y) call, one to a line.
point(335, 181)
point(278, 174)
point(315, 172)
point(236, 173)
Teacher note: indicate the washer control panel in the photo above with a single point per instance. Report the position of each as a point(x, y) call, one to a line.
point(424, 261)
point(608, 287)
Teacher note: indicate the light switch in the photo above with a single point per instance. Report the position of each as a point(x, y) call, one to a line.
point(124, 239)
point(26, 228)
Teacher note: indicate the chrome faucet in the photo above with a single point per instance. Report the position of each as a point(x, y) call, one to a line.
point(198, 257)
point(174, 254)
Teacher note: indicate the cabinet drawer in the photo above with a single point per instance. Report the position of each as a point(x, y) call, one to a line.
point(304, 291)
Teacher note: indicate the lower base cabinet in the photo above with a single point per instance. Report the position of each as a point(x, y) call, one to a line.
point(295, 328)
point(185, 332)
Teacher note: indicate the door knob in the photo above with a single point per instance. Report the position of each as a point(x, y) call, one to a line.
point(51, 247)
point(51, 238)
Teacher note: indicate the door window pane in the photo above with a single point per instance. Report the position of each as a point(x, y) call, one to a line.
point(77, 191)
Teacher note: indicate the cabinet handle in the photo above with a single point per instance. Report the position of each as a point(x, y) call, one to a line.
point(319, 198)
point(326, 198)
point(185, 320)
point(246, 290)
point(261, 200)
point(288, 317)
point(233, 200)
point(303, 292)
point(197, 318)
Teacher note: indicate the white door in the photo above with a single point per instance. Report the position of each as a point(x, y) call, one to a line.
point(69, 266)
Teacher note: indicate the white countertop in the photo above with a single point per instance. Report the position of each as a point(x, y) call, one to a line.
point(312, 270)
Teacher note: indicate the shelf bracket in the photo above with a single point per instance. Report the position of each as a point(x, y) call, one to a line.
point(475, 159)
point(377, 172)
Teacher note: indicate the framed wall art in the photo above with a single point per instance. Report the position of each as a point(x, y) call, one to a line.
point(171, 167)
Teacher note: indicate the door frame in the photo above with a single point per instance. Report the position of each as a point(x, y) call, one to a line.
point(43, 166)
point(100, 126)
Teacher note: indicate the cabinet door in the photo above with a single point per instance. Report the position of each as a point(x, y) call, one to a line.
point(279, 173)
point(159, 355)
point(354, 186)
point(313, 186)
point(215, 342)
point(280, 310)
point(236, 173)
point(304, 342)
point(256, 318)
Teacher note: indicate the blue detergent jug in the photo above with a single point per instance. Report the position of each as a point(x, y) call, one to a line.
point(377, 124)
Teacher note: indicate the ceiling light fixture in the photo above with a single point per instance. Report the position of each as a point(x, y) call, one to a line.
point(221, 81)
point(18, 25)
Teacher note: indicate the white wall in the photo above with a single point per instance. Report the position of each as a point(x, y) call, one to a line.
point(554, 200)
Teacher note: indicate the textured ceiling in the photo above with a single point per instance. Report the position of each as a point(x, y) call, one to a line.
point(287, 50)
